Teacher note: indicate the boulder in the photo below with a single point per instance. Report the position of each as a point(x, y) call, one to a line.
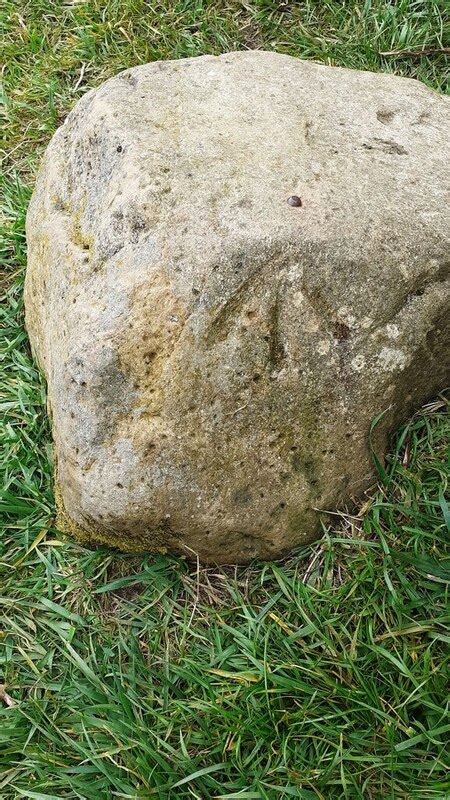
point(235, 264)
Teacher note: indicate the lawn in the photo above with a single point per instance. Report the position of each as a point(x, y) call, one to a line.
point(322, 676)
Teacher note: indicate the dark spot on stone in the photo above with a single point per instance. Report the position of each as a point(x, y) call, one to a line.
point(294, 201)
point(242, 496)
point(341, 331)
point(150, 356)
point(385, 116)
point(304, 465)
point(389, 146)
point(59, 204)
point(256, 377)
point(119, 485)
point(297, 462)
point(195, 291)
point(416, 293)
point(119, 148)
point(298, 522)
point(423, 118)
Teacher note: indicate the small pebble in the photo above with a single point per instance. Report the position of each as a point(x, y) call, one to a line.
point(294, 201)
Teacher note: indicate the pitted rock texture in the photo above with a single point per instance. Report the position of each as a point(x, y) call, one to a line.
point(215, 350)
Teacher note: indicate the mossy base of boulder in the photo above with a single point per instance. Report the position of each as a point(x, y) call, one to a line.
point(95, 536)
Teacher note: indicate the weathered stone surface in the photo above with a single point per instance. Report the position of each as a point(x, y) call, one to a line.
point(215, 351)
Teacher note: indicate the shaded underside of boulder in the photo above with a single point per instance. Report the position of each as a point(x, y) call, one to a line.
point(215, 351)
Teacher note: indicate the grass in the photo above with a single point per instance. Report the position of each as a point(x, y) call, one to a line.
point(319, 677)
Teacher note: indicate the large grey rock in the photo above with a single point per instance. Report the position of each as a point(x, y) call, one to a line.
point(214, 354)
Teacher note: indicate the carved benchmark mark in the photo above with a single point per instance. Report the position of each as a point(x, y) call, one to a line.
point(222, 322)
point(276, 349)
point(322, 309)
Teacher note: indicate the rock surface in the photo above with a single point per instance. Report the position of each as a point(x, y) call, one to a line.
point(215, 351)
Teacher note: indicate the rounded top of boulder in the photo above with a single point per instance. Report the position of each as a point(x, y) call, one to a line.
point(210, 151)
point(235, 262)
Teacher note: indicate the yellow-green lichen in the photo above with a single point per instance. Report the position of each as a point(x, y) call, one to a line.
point(96, 536)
